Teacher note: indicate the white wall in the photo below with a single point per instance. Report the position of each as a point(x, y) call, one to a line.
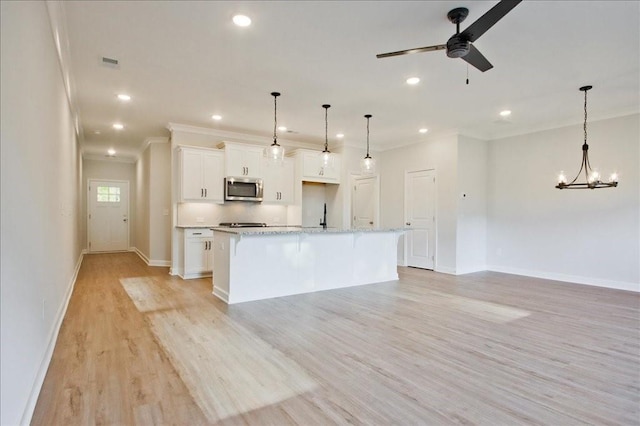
point(159, 187)
point(110, 169)
point(142, 231)
point(471, 235)
point(40, 233)
point(441, 155)
point(587, 236)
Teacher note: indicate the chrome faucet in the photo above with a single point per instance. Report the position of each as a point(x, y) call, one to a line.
point(324, 217)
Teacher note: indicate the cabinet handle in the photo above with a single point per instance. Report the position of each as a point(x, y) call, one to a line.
point(201, 192)
point(197, 233)
point(205, 193)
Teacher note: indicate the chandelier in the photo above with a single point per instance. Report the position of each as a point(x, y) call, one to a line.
point(592, 176)
point(275, 152)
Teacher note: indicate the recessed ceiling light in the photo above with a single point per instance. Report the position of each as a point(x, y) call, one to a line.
point(242, 20)
point(340, 135)
point(413, 80)
point(505, 113)
point(118, 126)
point(216, 117)
point(124, 97)
point(111, 151)
point(282, 128)
point(423, 130)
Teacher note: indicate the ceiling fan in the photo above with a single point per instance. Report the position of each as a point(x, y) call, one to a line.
point(459, 45)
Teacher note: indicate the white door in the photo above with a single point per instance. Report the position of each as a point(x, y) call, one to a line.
point(365, 202)
point(108, 221)
point(419, 195)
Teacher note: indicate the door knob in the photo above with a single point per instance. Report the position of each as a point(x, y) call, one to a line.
point(124, 220)
point(408, 223)
point(370, 223)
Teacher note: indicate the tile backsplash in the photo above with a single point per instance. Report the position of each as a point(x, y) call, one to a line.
point(194, 214)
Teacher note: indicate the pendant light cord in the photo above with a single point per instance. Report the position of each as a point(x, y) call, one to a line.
point(368, 116)
point(585, 117)
point(275, 117)
point(326, 127)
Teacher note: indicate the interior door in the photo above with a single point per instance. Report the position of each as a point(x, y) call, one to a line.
point(108, 221)
point(420, 218)
point(365, 202)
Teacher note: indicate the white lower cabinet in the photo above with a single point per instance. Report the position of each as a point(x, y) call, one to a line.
point(198, 253)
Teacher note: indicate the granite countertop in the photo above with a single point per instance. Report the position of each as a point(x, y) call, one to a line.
point(278, 230)
point(195, 226)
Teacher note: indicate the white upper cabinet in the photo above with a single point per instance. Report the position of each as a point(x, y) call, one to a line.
point(242, 160)
point(201, 174)
point(278, 182)
point(312, 169)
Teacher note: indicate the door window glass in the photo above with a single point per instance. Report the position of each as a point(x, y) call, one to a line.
point(108, 194)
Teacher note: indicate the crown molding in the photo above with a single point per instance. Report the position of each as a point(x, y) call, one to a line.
point(238, 137)
point(98, 157)
point(59, 32)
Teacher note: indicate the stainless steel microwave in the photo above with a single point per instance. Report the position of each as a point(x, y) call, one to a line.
point(242, 189)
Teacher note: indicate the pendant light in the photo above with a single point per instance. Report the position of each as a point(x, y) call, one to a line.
point(326, 158)
point(275, 152)
point(367, 164)
point(592, 176)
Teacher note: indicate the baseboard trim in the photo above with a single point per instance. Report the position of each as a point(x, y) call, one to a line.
point(618, 285)
point(221, 294)
point(445, 270)
point(53, 338)
point(150, 262)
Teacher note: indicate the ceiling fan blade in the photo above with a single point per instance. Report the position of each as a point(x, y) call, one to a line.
point(477, 59)
point(487, 20)
point(409, 51)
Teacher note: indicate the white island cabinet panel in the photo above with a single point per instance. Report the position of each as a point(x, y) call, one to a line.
point(273, 262)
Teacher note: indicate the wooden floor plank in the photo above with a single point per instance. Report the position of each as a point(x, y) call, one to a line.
point(138, 346)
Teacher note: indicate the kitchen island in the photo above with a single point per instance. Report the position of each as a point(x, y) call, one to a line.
point(262, 263)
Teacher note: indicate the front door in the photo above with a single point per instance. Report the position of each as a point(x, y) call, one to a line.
point(365, 202)
point(420, 218)
point(108, 221)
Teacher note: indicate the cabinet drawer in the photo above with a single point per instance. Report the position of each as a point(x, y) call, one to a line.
point(198, 233)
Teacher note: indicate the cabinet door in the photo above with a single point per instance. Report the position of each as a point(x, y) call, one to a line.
point(278, 182)
point(243, 161)
point(313, 171)
point(213, 176)
point(196, 256)
point(191, 185)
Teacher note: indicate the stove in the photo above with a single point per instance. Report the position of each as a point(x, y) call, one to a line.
point(243, 225)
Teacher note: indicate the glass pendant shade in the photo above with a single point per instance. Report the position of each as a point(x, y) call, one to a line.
point(367, 164)
point(326, 157)
point(275, 153)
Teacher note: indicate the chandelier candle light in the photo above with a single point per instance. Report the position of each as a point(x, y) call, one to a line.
point(326, 159)
point(592, 176)
point(275, 152)
point(368, 164)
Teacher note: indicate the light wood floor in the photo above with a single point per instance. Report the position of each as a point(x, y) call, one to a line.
point(138, 346)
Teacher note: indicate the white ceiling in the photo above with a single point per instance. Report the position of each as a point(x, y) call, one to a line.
point(183, 61)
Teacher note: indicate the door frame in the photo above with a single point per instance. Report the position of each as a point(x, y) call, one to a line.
point(376, 192)
point(89, 183)
point(435, 214)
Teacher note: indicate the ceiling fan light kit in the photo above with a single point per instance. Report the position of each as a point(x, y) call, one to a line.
point(460, 44)
point(592, 176)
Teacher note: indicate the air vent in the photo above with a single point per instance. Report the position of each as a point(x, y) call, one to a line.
point(110, 62)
